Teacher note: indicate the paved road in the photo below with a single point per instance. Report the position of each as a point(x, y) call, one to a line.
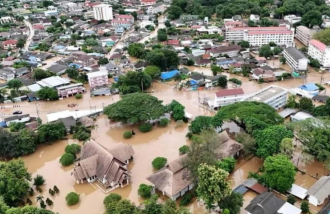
point(29, 39)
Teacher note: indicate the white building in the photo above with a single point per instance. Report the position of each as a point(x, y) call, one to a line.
point(258, 36)
point(99, 78)
point(319, 51)
point(52, 11)
point(304, 34)
point(297, 60)
point(157, 8)
point(226, 97)
point(292, 19)
point(17, 119)
point(103, 12)
point(272, 95)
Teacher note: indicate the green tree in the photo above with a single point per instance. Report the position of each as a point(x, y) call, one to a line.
point(232, 203)
point(291, 103)
point(215, 69)
point(135, 108)
point(145, 191)
point(320, 111)
point(286, 147)
point(277, 50)
point(16, 126)
point(134, 82)
point(177, 110)
point(72, 72)
point(167, 23)
point(91, 42)
point(304, 207)
point(227, 164)
point(265, 51)
point(203, 122)
point(103, 61)
point(14, 181)
point(306, 104)
point(112, 197)
point(165, 59)
point(159, 162)
point(323, 36)
point(190, 62)
point(47, 93)
point(248, 142)
point(47, 3)
point(20, 43)
point(314, 63)
point(282, 60)
point(51, 132)
point(14, 84)
point(136, 50)
point(174, 12)
point(244, 44)
point(312, 18)
point(213, 185)
point(39, 74)
point(279, 172)
point(124, 207)
point(222, 81)
point(72, 149)
point(153, 72)
point(269, 139)
point(291, 199)
point(72, 198)
point(67, 159)
point(38, 181)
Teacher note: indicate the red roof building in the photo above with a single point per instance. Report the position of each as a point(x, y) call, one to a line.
point(173, 42)
point(148, 2)
point(229, 92)
point(9, 44)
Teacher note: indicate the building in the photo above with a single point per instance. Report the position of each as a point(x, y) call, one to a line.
point(57, 69)
point(68, 90)
point(269, 203)
point(53, 82)
point(107, 166)
point(17, 119)
point(9, 44)
point(231, 51)
point(128, 18)
point(226, 97)
point(103, 12)
point(319, 51)
point(96, 79)
point(292, 19)
point(258, 36)
point(299, 116)
point(272, 95)
point(7, 74)
point(304, 34)
point(52, 11)
point(296, 60)
point(157, 8)
point(148, 2)
point(320, 191)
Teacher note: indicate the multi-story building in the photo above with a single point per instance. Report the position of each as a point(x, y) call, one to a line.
point(96, 79)
point(304, 34)
point(258, 36)
point(68, 90)
point(9, 44)
point(319, 51)
point(226, 97)
point(231, 51)
point(103, 12)
point(128, 18)
point(148, 2)
point(296, 60)
point(272, 95)
point(157, 8)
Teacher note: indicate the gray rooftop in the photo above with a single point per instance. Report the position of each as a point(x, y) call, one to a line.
point(265, 94)
point(321, 189)
point(265, 203)
point(295, 53)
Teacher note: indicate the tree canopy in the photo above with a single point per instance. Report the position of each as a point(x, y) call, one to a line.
point(312, 18)
point(40, 74)
point(204, 122)
point(232, 203)
point(50, 132)
point(265, 51)
point(177, 109)
point(136, 50)
point(279, 172)
point(134, 82)
point(165, 59)
point(323, 36)
point(135, 108)
point(47, 93)
point(153, 72)
point(213, 185)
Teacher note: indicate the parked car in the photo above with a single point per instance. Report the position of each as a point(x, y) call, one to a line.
point(17, 112)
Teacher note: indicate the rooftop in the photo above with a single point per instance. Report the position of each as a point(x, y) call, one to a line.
point(319, 45)
point(229, 92)
point(265, 93)
point(53, 81)
point(295, 53)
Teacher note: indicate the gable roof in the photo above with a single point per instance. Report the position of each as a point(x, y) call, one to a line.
point(321, 189)
point(56, 68)
point(265, 203)
point(319, 45)
point(229, 92)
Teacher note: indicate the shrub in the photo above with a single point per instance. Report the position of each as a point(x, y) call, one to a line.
point(72, 149)
point(127, 134)
point(227, 164)
point(144, 191)
point(291, 199)
point(304, 207)
point(163, 122)
point(159, 162)
point(49, 202)
point(113, 197)
point(38, 180)
point(79, 96)
point(82, 133)
point(186, 199)
point(183, 149)
point(146, 127)
point(67, 159)
point(72, 198)
point(51, 192)
point(236, 81)
point(189, 135)
point(56, 189)
point(179, 124)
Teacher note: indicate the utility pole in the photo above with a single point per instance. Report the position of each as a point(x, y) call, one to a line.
point(37, 110)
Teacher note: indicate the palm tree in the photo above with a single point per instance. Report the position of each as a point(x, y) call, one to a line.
point(38, 180)
point(40, 198)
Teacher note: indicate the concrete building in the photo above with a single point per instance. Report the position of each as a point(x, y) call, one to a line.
point(292, 19)
point(272, 95)
point(70, 90)
point(53, 82)
point(319, 51)
point(296, 60)
point(258, 36)
point(226, 97)
point(304, 34)
point(9, 44)
point(103, 12)
point(96, 79)
point(17, 119)
point(157, 8)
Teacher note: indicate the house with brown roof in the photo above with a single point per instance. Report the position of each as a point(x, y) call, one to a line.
point(263, 73)
point(231, 51)
point(173, 180)
point(9, 44)
point(226, 97)
point(107, 167)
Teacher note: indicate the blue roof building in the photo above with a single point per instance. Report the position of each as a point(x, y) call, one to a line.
point(309, 87)
point(168, 75)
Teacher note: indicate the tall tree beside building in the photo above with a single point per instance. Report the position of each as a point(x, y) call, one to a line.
point(134, 82)
point(323, 36)
point(136, 50)
point(47, 93)
point(165, 59)
point(213, 185)
point(312, 18)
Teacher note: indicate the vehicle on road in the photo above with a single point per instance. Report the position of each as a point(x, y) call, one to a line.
point(17, 112)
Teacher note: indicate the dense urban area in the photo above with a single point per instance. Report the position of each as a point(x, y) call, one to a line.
point(165, 107)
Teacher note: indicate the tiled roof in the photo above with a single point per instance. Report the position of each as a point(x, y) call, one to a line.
point(319, 45)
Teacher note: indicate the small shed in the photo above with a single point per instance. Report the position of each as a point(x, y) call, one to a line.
point(168, 75)
point(258, 188)
point(241, 189)
point(287, 112)
point(250, 182)
point(298, 191)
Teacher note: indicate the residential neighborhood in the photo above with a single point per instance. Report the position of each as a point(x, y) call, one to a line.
point(165, 107)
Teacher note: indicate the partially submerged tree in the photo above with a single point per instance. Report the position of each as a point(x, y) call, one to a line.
point(135, 108)
point(286, 147)
point(232, 203)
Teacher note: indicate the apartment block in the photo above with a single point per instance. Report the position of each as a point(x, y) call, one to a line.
point(319, 51)
point(96, 79)
point(69, 90)
point(304, 34)
point(258, 36)
point(103, 12)
point(295, 59)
